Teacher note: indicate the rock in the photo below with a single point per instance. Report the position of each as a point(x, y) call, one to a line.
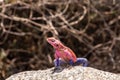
point(74, 73)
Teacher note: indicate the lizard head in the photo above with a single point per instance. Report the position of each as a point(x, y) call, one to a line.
point(55, 43)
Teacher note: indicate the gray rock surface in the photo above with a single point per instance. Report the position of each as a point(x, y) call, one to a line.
point(74, 73)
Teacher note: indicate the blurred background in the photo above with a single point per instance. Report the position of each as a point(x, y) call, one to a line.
point(91, 28)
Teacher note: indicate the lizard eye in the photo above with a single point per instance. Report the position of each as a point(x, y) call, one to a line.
point(53, 40)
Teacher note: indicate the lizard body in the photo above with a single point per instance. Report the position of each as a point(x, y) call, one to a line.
point(63, 54)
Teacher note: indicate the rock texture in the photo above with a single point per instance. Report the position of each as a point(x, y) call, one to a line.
point(74, 73)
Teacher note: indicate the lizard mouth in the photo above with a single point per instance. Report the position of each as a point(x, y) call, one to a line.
point(51, 41)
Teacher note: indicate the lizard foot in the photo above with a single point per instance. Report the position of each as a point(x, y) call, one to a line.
point(57, 69)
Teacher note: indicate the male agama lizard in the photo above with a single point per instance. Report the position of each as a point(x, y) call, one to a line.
point(64, 54)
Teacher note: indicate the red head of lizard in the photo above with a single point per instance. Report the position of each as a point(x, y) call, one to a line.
point(55, 43)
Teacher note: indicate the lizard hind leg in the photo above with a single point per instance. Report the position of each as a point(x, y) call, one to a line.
point(82, 61)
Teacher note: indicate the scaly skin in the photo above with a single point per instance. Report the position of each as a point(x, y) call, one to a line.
point(64, 54)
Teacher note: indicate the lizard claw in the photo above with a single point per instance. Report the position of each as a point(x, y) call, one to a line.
point(57, 69)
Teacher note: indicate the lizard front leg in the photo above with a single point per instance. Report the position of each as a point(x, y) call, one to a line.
point(58, 62)
point(82, 61)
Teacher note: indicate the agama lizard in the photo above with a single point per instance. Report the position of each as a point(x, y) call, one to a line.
point(64, 54)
